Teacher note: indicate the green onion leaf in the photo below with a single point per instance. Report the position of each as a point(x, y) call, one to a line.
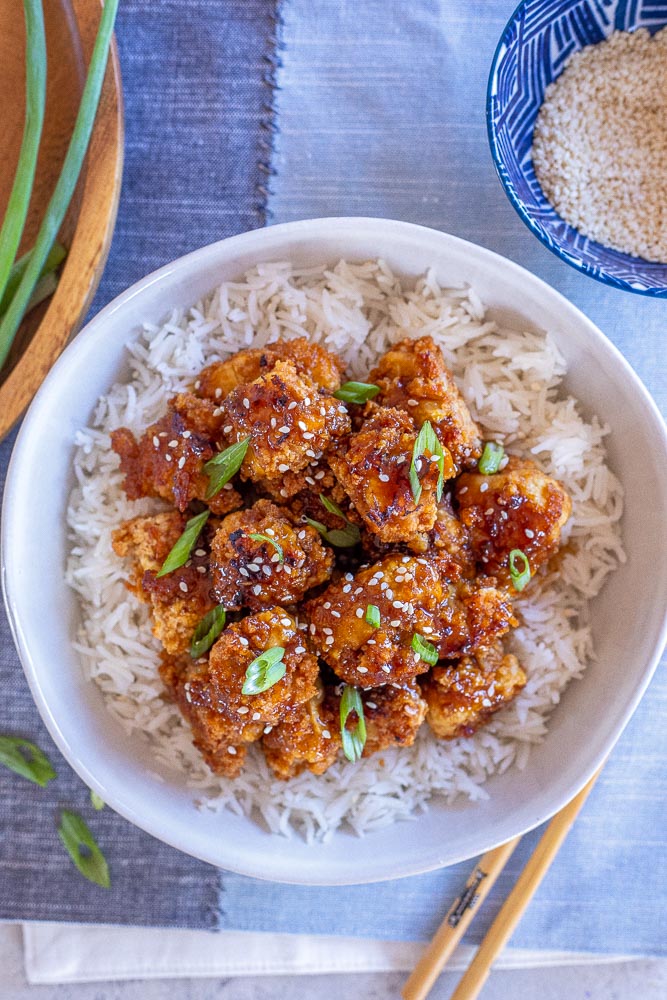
point(332, 507)
point(519, 569)
point(258, 537)
point(95, 801)
point(55, 258)
point(225, 465)
point(491, 458)
point(426, 650)
point(26, 759)
point(83, 849)
point(427, 440)
point(207, 631)
point(373, 615)
point(354, 740)
point(35, 100)
point(357, 392)
point(342, 538)
point(265, 671)
point(69, 174)
point(180, 553)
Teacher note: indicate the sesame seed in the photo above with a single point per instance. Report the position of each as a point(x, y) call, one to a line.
point(395, 622)
point(427, 629)
point(306, 400)
point(181, 461)
point(187, 434)
point(329, 640)
point(310, 480)
point(275, 558)
point(371, 704)
point(283, 493)
point(363, 670)
point(156, 441)
point(183, 586)
point(308, 435)
point(484, 487)
point(529, 533)
point(243, 640)
point(348, 576)
point(286, 622)
point(200, 552)
point(358, 591)
point(256, 716)
point(488, 511)
point(217, 411)
point(243, 710)
point(347, 588)
point(336, 614)
point(257, 589)
point(313, 629)
point(327, 630)
point(201, 569)
point(374, 582)
point(266, 570)
point(397, 604)
point(327, 604)
point(273, 422)
point(243, 571)
point(410, 710)
point(385, 668)
point(284, 429)
point(463, 490)
point(163, 434)
point(323, 411)
point(389, 594)
point(320, 474)
point(173, 443)
point(227, 429)
point(292, 406)
point(167, 458)
point(198, 384)
point(300, 649)
point(310, 453)
point(232, 751)
point(267, 730)
point(246, 402)
point(418, 465)
point(383, 477)
point(218, 393)
point(227, 487)
point(326, 735)
point(283, 468)
point(303, 425)
point(413, 402)
point(405, 559)
point(253, 567)
point(359, 612)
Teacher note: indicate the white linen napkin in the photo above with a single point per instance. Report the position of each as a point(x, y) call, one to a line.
point(77, 953)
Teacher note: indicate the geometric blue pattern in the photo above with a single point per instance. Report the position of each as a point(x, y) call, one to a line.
point(538, 39)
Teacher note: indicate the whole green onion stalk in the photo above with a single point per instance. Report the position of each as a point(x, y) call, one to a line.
point(35, 99)
point(64, 190)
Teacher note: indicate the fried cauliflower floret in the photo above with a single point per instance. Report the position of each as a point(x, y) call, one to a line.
point(412, 598)
point(276, 569)
point(307, 737)
point(462, 696)
point(519, 507)
point(168, 460)
point(374, 470)
point(178, 600)
point(413, 376)
point(209, 691)
point(288, 419)
point(393, 715)
point(220, 379)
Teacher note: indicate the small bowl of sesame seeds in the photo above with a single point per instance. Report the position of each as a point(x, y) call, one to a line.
point(577, 124)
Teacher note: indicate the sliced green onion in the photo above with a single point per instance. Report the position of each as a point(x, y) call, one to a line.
point(519, 569)
point(332, 507)
point(180, 553)
point(83, 849)
point(69, 174)
point(24, 758)
point(354, 740)
point(258, 537)
point(357, 392)
point(425, 649)
point(373, 615)
point(225, 465)
point(265, 671)
point(56, 256)
point(492, 456)
point(35, 101)
point(342, 538)
point(427, 440)
point(96, 802)
point(207, 631)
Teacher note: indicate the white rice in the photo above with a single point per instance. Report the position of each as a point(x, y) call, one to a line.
point(511, 380)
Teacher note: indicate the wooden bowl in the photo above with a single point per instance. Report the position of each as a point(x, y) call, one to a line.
point(71, 27)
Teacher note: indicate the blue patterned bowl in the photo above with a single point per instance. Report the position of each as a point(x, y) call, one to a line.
point(538, 39)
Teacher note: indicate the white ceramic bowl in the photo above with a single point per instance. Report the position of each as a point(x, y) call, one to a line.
point(629, 616)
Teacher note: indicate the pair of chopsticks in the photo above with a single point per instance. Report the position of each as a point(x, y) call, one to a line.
point(479, 884)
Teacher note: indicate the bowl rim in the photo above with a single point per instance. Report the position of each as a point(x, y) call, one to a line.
point(277, 867)
point(518, 204)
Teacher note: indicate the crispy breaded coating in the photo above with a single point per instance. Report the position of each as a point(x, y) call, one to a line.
point(290, 421)
point(393, 715)
point(168, 460)
point(255, 572)
point(412, 376)
point(448, 542)
point(374, 470)
point(209, 691)
point(462, 696)
point(519, 507)
point(412, 598)
point(178, 600)
point(307, 737)
point(321, 366)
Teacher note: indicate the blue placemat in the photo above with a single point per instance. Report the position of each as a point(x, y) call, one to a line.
point(197, 82)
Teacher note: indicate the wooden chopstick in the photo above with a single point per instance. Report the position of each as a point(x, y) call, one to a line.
point(428, 968)
point(458, 917)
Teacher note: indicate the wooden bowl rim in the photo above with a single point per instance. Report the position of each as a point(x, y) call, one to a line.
point(90, 244)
